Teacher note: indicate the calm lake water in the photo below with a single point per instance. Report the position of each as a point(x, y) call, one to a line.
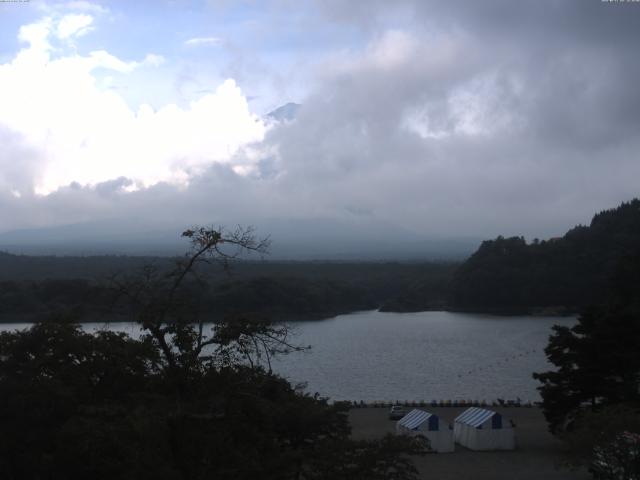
point(414, 356)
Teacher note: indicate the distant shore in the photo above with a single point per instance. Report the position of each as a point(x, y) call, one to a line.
point(101, 317)
point(547, 311)
point(115, 318)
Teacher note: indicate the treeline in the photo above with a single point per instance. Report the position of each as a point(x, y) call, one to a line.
point(35, 268)
point(509, 275)
point(287, 298)
point(277, 298)
point(29, 300)
point(278, 290)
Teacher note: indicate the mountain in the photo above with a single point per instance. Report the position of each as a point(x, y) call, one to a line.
point(556, 275)
point(292, 239)
point(285, 112)
point(119, 237)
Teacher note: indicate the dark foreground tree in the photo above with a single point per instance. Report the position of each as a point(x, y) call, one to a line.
point(617, 458)
point(593, 396)
point(598, 359)
point(598, 363)
point(180, 402)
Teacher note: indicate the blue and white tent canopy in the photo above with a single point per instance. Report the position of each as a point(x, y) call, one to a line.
point(416, 419)
point(480, 429)
point(476, 417)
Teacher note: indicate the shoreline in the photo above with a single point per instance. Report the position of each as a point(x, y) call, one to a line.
point(443, 403)
point(31, 318)
point(556, 311)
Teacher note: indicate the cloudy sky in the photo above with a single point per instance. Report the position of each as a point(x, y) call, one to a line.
point(450, 118)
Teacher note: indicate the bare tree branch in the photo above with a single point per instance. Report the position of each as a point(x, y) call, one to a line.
point(166, 307)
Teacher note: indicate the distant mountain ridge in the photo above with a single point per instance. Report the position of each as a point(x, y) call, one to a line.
point(286, 112)
point(292, 239)
point(561, 274)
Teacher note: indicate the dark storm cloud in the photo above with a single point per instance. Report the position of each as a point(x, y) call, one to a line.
point(558, 88)
point(578, 59)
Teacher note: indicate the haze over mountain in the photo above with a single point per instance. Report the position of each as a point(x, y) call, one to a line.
point(312, 239)
point(421, 122)
point(287, 112)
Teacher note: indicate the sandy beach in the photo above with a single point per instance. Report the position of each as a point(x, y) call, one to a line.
point(538, 454)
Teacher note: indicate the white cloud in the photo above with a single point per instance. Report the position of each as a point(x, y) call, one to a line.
point(103, 59)
point(36, 35)
point(74, 25)
point(203, 41)
point(153, 60)
point(88, 135)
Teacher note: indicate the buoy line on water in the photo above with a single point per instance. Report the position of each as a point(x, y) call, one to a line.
point(502, 361)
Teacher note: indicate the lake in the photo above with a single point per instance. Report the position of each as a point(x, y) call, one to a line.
point(428, 356)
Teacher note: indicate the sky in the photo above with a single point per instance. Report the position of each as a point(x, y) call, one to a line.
point(440, 119)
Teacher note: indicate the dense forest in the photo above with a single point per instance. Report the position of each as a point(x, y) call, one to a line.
point(557, 275)
point(504, 276)
point(34, 287)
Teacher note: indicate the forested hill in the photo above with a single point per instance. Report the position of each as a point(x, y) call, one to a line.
point(560, 274)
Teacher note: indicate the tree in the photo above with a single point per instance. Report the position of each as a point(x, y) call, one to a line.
point(180, 402)
point(165, 302)
point(563, 274)
point(598, 363)
point(592, 399)
point(596, 431)
point(597, 360)
point(64, 391)
point(617, 458)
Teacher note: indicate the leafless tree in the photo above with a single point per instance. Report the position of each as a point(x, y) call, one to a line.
point(165, 304)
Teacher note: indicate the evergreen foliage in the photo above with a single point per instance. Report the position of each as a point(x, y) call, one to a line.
point(592, 398)
point(562, 275)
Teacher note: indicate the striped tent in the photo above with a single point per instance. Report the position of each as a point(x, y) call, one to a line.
point(481, 429)
point(426, 424)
